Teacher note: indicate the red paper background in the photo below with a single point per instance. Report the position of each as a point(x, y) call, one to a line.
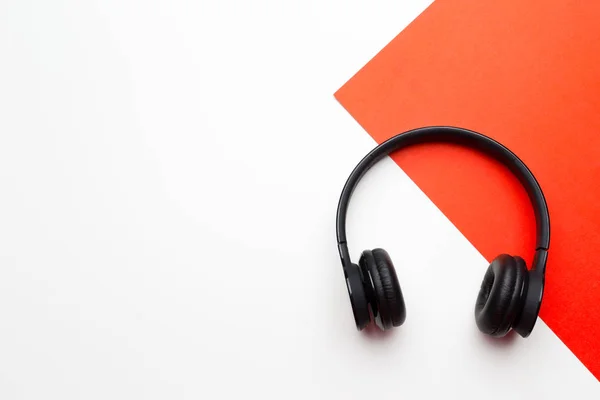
point(526, 73)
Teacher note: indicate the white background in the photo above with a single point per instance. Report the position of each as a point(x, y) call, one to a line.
point(169, 173)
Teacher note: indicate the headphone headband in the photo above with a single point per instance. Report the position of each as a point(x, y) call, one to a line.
point(461, 136)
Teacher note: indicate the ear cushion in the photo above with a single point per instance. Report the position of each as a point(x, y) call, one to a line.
point(500, 298)
point(391, 291)
point(374, 288)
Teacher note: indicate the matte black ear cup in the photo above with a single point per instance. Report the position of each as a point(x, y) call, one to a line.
point(382, 289)
point(391, 289)
point(373, 287)
point(358, 297)
point(501, 296)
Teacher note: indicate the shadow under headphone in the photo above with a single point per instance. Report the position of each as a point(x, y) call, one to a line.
point(510, 295)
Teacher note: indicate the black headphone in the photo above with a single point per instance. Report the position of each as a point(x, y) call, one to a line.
point(510, 296)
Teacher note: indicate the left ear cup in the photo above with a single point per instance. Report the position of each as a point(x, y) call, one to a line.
point(500, 299)
point(387, 302)
point(391, 287)
point(358, 297)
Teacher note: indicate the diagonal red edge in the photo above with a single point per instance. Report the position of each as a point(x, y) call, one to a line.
point(527, 74)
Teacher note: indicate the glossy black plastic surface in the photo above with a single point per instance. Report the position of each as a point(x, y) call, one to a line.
point(358, 297)
point(533, 301)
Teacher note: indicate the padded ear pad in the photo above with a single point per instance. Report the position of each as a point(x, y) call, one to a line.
point(500, 299)
point(388, 291)
point(373, 287)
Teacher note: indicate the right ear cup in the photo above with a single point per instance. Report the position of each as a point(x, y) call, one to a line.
point(500, 300)
point(381, 282)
